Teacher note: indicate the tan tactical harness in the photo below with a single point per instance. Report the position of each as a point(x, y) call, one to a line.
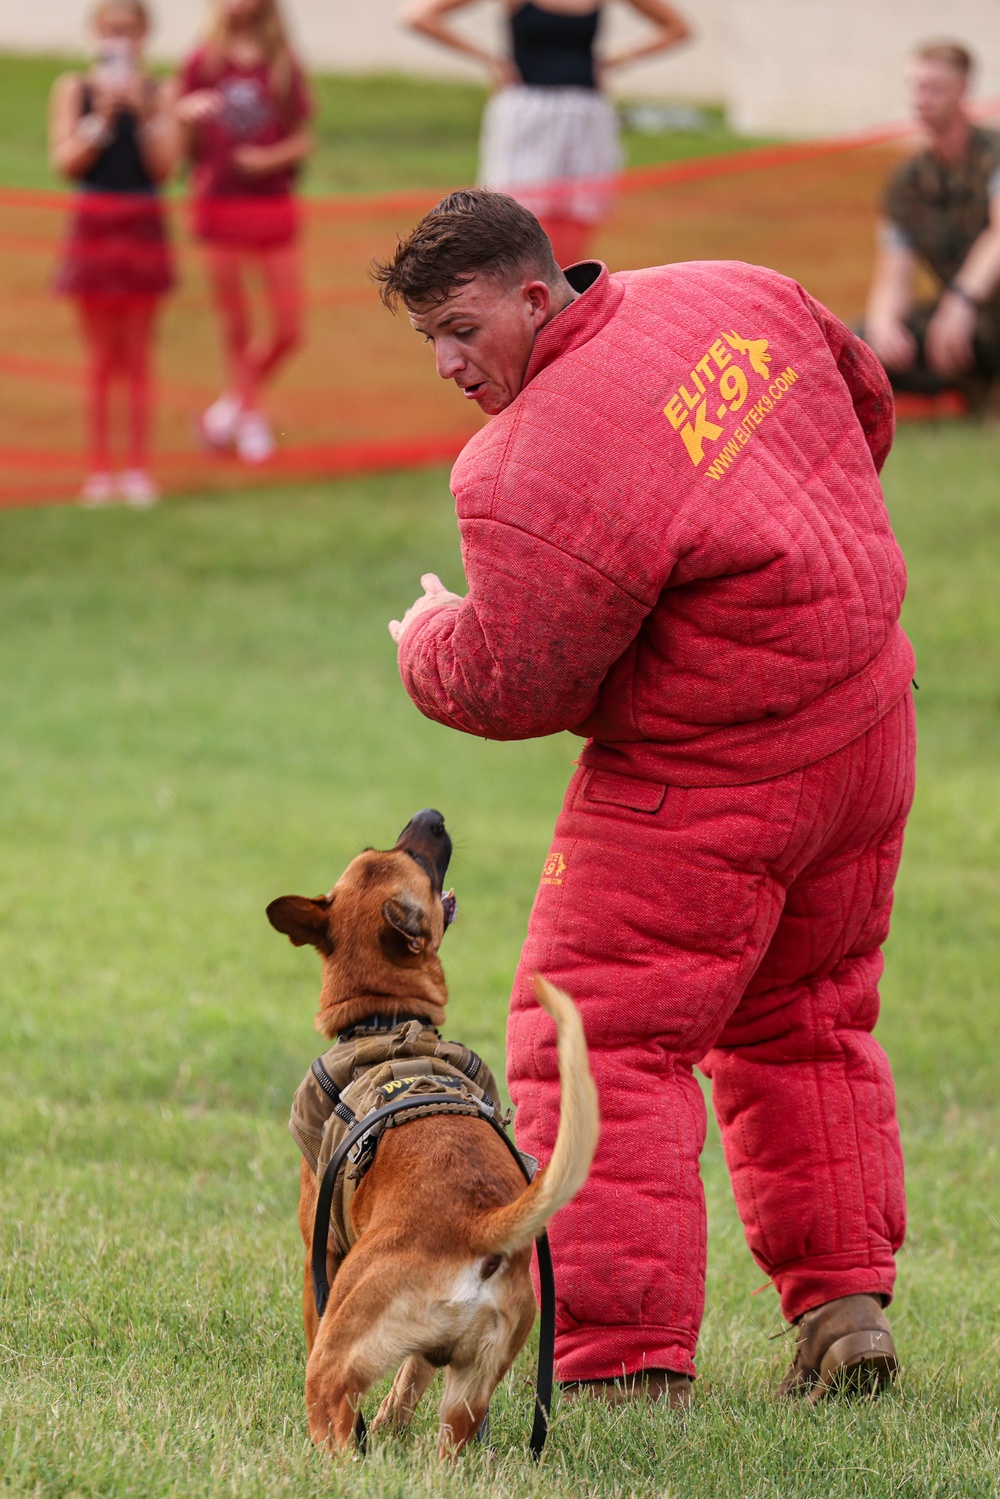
point(371, 1065)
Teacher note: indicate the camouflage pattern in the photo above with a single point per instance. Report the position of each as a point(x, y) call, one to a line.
point(940, 209)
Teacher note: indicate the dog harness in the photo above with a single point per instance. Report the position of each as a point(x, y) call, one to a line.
point(377, 1077)
point(371, 1065)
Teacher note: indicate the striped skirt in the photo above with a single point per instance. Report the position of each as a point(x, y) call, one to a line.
point(556, 150)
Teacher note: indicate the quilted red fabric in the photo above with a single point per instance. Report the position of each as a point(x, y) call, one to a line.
point(676, 546)
point(708, 602)
point(738, 926)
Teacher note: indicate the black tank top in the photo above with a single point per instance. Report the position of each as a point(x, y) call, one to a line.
point(119, 168)
point(554, 49)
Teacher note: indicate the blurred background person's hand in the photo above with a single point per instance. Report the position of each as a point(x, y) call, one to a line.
point(949, 336)
point(200, 105)
point(892, 342)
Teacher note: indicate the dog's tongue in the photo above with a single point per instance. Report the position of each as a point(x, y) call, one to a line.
point(450, 907)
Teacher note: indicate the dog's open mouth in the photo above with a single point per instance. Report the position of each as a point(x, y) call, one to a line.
point(450, 907)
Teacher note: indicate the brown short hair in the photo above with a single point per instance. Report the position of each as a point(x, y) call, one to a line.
point(953, 53)
point(138, 10)
point(468, 233)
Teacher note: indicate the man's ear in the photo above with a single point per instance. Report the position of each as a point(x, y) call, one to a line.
point(407, 924)
point(538, 295)
point(304, 922)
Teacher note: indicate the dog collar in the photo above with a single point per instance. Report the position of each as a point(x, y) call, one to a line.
point(374, 1025)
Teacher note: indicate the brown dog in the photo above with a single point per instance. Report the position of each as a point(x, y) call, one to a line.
point(439, 1273)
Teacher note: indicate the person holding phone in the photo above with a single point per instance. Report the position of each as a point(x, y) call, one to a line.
point(111, 132)
point(244, 108)
point(550, 135)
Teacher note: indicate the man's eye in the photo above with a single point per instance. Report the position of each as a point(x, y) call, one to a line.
point(464, 332)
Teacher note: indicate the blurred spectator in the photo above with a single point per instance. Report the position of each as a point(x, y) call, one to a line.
point(244, 108)
point(550, 137)
point(111, 131)
point(941, 211)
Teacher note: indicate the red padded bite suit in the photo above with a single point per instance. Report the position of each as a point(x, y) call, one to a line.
point(676, 545)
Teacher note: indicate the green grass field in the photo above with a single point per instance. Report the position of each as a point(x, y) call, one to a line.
point(200, 712)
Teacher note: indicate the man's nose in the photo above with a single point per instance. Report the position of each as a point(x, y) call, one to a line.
point(449, 360)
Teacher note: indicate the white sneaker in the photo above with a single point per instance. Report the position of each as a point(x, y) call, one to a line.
point(97, 489)
point(218, 423)
point(254, 442)
point(137, 488)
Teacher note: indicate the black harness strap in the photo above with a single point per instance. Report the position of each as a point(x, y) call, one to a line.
point(325, 1081)
point(321, 1234)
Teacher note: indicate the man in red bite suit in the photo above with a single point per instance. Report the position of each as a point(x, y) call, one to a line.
point(676, 546)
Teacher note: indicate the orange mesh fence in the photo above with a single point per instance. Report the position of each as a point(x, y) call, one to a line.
point(362, 393)
point(359, 395)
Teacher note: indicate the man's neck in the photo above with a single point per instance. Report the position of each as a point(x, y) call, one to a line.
point(950, 142)
point(562, 295)
point(564, 292)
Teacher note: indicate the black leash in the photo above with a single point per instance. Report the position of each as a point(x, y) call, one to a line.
point(547, 1323)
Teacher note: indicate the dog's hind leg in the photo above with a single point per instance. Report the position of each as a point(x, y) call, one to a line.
point(467, 1392)
point(359, 1340)
point(396, 1410)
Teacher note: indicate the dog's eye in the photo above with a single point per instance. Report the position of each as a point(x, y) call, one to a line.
point(490, 1265)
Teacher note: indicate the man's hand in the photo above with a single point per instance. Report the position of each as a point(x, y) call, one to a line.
point(891, 341)
point(435, 593)
point(949, 336)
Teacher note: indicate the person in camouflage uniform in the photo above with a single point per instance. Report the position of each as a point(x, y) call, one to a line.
point(940, 211)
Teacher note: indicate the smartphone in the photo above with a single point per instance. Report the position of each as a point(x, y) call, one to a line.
point(116, 61)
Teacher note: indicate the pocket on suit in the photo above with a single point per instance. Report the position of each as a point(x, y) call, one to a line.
point(606, 788)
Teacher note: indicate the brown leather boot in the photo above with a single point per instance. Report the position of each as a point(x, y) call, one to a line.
point(675, 1390)
point(845, 1345)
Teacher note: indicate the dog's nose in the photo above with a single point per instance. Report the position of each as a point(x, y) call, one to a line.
point(427, 821)
point(426, 839)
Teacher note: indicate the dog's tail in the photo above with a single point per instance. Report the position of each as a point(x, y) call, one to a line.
point(510, 1228)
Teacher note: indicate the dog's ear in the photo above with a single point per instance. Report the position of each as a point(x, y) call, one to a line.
point(406, 927)
point(304, 922)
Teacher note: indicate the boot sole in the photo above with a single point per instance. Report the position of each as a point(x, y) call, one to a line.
point(675, 1394)
point(861, 1364)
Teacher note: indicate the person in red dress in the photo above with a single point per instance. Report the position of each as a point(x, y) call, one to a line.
point(112, 133)
point(244, 108)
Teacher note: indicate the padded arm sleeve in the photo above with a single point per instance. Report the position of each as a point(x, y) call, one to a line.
point(864, 377)
point(526, 651)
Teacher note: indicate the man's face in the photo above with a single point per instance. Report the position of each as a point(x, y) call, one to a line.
point(483, 336)
point(937, 92)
